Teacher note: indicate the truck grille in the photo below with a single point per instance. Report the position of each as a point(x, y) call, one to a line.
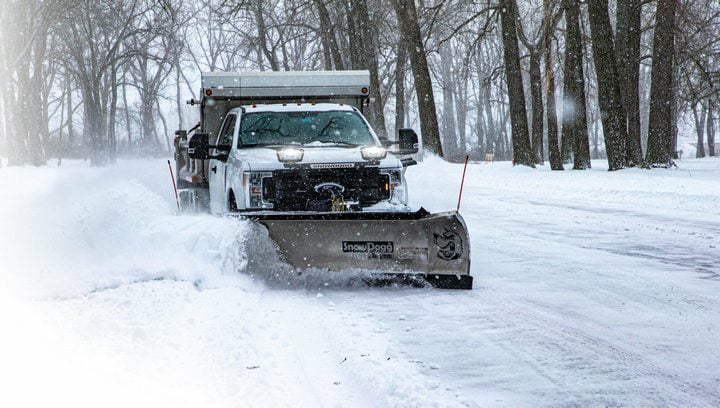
point(312, 189)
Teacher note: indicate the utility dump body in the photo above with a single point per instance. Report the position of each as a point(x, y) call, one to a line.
point(293, 152)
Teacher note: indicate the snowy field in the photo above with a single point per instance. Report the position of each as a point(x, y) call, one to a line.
point(591, 289)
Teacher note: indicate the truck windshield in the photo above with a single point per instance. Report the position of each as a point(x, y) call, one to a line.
point(345, 128)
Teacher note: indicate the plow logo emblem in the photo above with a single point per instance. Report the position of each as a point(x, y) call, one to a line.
point(449, 245)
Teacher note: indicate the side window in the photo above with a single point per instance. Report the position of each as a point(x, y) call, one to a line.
point(226, 135)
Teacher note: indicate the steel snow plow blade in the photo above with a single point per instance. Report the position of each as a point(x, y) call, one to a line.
point(403, 245)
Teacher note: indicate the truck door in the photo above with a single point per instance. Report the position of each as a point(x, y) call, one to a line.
point(217, 168)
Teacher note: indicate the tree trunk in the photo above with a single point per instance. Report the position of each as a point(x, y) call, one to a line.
point(410, 30)
point(11, 140)
point(492, 134)
point(522, 153)
point(502, 134)
point(377, 117)
point(400, 70)
point(353, 36)
point(128, 126)
point(480, 126)
point(71, 133)
point(327, 59)
point(660, 135)
point(327, 34)
point(627, 47)
point(147, 118)
point(461, 102)
point(178, 93)
point(556, 162)
point(35, 111)
point(711, 129)
point(675, 111)
point(449, 136)
point(611, 108)
point(112, 119)
point(95, 130)
point(575, 128)
point(262, 36)
point(537, 107)
point(700, 130)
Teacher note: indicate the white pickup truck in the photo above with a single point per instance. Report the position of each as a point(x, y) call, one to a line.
point(293, 151)
point(303, 157)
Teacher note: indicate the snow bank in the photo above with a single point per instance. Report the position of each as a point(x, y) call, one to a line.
point(71, 231)
point(691, 189)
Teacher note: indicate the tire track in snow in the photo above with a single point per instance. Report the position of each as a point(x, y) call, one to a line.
point(586, 347)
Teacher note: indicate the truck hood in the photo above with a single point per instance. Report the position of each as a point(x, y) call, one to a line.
point(265, 159)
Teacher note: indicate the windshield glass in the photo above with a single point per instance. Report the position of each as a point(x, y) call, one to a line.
point(304, 127)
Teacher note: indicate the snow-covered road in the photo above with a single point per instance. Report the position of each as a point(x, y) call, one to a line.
point(591, 289)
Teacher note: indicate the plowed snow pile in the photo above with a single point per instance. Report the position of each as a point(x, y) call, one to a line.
point(591, 289)
point(86, 230)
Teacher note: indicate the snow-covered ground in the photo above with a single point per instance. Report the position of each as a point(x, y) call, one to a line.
point(591, 289)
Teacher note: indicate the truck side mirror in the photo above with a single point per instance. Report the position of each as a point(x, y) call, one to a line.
point(408, 141)
point(199, 147)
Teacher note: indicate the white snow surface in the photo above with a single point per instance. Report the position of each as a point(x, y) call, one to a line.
point(591, 289)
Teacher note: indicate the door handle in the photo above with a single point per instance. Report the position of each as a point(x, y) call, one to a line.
point(214, 169)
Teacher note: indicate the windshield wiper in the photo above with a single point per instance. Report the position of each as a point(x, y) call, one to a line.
point(268, 144)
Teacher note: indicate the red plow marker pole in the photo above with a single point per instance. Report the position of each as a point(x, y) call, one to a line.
point(172, 176)
point(462, 183)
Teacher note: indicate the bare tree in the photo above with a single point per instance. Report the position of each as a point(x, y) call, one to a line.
point(151, 64)
point(410, 28)
point(535, 51)
point(711, 128)
point(660, 135)
point(627, 45)
point(329, 39)
point(556, 162)
point(574, 115)
point(611, 108)
point(522, 153)
point(95, 35)
point(400, 71)
point(25, 31)
point(700, 129)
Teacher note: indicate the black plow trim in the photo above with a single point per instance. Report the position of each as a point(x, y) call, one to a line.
point(349, 215)
point(419, 280)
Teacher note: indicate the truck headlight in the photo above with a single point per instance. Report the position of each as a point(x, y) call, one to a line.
point(373, 153)
point(290, 155)
point(253, 186)
point(398, 192)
